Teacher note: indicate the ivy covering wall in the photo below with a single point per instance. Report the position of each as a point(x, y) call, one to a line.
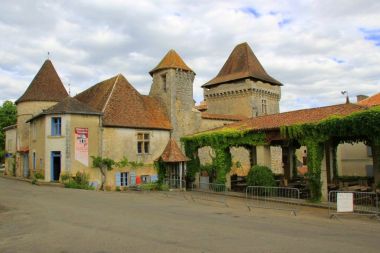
point(220, 141)
point(359, 126)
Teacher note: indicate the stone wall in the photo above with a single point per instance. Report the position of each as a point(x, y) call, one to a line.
point(174, 88)
point(243, 97)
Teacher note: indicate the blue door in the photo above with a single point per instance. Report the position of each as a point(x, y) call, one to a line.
point(55, 163)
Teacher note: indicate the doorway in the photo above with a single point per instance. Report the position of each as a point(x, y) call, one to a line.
point(55, 165)
point(26, 164)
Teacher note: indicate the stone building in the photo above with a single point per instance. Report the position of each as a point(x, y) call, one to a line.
point(243, 87)
point(57, 134)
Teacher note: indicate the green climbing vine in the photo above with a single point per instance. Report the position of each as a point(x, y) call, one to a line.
point(220, 140)
point(315, 152)
point(361, 126)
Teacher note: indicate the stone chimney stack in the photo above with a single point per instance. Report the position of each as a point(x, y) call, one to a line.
point(360, 97)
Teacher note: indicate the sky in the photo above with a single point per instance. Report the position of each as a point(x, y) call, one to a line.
point(315, 48)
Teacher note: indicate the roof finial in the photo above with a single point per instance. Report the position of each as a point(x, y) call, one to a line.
point(347, 98)
point(69, 89)
point(48, 55)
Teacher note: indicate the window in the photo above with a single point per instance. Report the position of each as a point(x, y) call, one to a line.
point(123, 178)
point(34, 131)
point(34, 160)
point(56, 126)
point(163, 79)
point(142, 143)
point(145, 179)
point(264, 106)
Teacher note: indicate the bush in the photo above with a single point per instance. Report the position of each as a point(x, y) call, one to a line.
point(149, 187)
point(39, 175)
point(163, 187)
point(118, 188)
point(80, 181)
point(75, 185)
point(260, 176)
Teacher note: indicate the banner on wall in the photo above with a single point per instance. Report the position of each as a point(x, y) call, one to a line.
point(81, 145)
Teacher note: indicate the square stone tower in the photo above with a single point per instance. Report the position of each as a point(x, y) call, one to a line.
point(173, 87)
point(242, 87)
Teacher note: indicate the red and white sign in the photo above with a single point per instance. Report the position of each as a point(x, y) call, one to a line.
point(81, 145)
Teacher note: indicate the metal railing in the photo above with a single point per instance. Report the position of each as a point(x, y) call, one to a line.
point(175, 183)
point(209, 192)
point(177, 188)
point(279, 198)
point(350, 202)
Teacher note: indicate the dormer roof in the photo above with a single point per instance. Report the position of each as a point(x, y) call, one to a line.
point(242, 63)
point(46, 86)
point(171, 60)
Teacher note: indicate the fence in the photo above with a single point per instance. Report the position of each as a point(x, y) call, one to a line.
point(176, 187)
point(175, 183)
point(279, 198)
point(209, 192)
point(349, 202)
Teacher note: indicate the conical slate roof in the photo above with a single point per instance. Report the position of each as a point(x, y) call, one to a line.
point(242, 63)
point(171, 61)
point(172, 153)
point(46, 86)
point(123, 106)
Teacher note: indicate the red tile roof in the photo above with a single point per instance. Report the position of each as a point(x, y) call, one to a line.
point(206, 115)
point(123, 106)
point(275, 121)
point(46, 86)
point(242, 63)
point(202, 106)
point(172, 153)
point(371, 101)
point(171, 61)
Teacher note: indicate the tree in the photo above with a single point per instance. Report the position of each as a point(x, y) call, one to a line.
point(8, 116)
point(107, 164)
point(104, 164)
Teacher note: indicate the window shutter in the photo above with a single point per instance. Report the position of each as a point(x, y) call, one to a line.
point(118, 179)
point(133, 178)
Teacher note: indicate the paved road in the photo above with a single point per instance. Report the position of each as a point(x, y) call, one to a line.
point(46, 219)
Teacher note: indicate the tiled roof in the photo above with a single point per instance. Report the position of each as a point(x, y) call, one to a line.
point(171, 61)
point(202, 106)
point(206, 115)
point(172, 153)
point(242, 63)
point(123, 106)
point(275, 121)
point(46, 86)
point(371, 101)
point(69, 106)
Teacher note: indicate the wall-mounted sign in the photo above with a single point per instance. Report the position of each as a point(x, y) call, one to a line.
point(345, 202)
point(81, 145)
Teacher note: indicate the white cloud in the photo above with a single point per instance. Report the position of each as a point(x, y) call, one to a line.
point(316, 48)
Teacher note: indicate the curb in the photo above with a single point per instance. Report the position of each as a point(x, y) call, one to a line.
point(39, 183)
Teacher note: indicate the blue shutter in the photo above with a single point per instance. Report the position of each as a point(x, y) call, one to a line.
point(153, 178)
point(118, 179)
point(52, 127)
point(133, 178)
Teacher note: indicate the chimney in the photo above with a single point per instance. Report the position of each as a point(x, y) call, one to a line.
point(360, 97)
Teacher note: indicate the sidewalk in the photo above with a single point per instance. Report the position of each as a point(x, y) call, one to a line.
point(38, 182)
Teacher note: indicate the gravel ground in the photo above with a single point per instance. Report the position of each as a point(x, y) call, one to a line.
point(48, 219)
